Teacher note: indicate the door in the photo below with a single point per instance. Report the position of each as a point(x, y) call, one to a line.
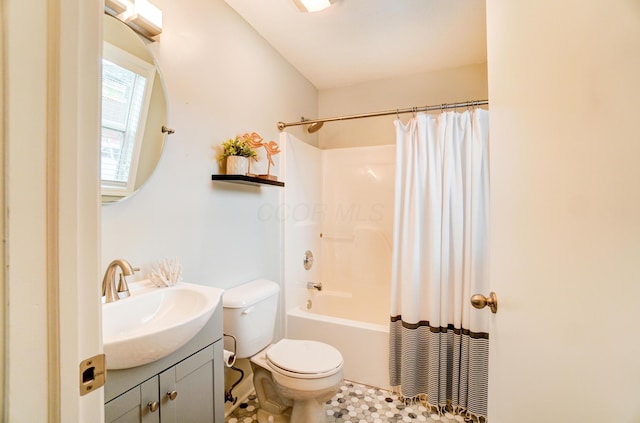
point(565, 204)
point(51, 100)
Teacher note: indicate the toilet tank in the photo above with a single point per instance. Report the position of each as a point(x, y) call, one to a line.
point(249, 314)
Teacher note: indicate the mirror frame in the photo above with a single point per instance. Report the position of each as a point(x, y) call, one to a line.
point(122, 36)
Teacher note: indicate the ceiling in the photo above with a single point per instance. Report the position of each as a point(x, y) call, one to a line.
point(356, 41)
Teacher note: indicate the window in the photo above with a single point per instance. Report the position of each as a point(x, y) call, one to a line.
point(127, 82)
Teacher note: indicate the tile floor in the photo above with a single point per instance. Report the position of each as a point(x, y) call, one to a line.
point(358, 404)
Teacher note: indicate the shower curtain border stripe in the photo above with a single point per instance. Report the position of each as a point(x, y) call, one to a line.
point(442, 107)
point(440, 329)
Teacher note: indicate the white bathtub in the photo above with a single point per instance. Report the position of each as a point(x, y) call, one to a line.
point(364, 345)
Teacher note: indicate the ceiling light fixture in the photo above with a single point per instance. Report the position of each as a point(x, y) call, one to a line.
point(116, 6)
point(148, 18)
point(141, 15)
point(313, 5)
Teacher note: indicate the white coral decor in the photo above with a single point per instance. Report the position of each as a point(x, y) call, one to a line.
point(169, 272)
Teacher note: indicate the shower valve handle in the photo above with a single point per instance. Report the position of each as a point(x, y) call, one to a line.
point(314, 285)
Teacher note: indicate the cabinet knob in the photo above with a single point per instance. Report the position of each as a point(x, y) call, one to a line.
point(153, 406)
point(172, 395)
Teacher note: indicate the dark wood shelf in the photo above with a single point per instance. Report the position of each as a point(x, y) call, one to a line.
point(246, 180)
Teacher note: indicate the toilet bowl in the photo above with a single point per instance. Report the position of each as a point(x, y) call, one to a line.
point(294, 378)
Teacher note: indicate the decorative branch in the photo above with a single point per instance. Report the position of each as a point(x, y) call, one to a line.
point(169, 272)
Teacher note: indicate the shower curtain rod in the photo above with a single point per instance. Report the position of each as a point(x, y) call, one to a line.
point(282, 125)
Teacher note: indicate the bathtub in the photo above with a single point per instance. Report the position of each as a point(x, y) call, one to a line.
point(364, 345)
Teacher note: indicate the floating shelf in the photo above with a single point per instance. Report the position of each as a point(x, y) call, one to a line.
point(246, 180)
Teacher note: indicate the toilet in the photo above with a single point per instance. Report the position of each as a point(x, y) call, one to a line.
point(293, 378)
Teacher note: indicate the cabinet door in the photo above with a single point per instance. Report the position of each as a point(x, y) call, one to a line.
point(124, 408)
point(149, 401)
point(133, 405)
point(190, 383)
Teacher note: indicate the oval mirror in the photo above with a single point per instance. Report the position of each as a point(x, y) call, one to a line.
point(134, 112)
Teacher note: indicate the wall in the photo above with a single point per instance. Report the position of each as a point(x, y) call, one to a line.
point(2, 219)
point(222, 79)
point(565, 228)
point(437, 87)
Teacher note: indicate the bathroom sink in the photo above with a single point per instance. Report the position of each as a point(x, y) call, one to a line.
point(154, 322)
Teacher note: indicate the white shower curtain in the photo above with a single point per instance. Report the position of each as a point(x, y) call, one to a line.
point(438, 342)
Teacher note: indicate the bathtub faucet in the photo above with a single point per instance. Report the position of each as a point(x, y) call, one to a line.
point(313, 285)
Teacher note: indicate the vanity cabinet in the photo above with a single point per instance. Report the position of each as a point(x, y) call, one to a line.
point(182, 393)
point(186, 386)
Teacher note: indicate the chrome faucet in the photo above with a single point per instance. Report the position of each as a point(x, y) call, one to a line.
point(109, 291)
point(314, 285)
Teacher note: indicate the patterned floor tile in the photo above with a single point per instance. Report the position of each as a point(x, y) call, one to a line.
point(356, 403)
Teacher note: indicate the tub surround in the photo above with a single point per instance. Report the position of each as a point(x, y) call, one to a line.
point(339, 205)
point(344, 203)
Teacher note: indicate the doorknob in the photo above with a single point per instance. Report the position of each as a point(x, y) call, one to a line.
point(480, 301)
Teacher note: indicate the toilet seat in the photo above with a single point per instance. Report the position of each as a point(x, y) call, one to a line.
point(304, 359)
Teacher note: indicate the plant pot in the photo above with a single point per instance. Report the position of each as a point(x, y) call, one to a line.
point(237, 165)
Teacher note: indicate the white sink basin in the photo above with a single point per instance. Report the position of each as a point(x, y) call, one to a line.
point(154, 322)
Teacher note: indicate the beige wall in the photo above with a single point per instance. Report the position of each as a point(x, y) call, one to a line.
point(222, 79)
point(437, 87)
point(2, 219)
point(563, 86)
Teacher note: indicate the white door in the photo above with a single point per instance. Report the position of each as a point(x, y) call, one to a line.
point(565, 180)
point(51, 52)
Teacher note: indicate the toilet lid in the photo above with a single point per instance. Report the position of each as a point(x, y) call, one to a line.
point(305, 357)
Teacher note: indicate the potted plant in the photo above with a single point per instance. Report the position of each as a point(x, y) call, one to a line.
point(236, 153)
